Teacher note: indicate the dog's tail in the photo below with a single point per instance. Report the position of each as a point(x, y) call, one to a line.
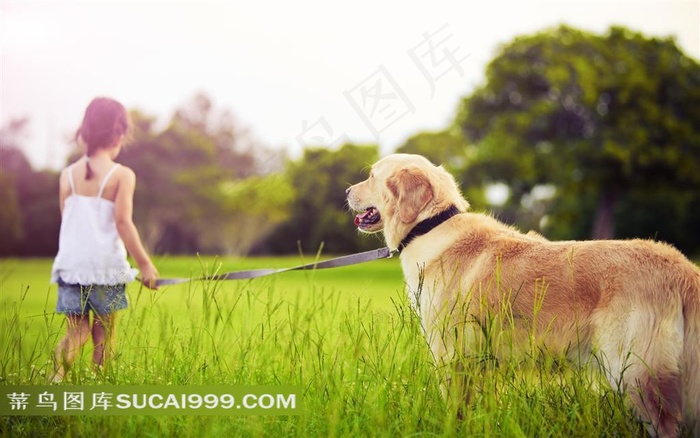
point(691, 356)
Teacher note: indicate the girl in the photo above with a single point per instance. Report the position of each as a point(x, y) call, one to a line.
point(96, 200)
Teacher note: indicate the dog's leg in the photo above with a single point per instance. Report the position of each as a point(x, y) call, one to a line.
point(458, 387)
point(450, 345)
point(460, 357)
point(640, 355)
point(660, 396)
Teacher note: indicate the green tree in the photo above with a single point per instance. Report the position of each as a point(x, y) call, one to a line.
point(202, 183)
point(319, 215)
point(252, 208)
point(235, 150)
point(442, 147)
point(594, 116)
point(177, 176)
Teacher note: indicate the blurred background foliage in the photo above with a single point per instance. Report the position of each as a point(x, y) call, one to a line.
point(609, 124)
point(573, 134)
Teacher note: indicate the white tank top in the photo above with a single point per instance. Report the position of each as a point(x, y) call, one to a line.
point(90, 250)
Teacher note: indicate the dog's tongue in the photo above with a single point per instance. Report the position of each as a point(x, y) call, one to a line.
point(361, 216)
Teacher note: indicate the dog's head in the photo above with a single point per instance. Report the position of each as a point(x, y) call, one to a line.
point(401, 191)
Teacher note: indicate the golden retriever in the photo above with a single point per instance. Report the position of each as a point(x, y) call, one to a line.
point(630, 307)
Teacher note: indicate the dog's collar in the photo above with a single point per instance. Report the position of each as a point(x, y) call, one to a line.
point(427, 225)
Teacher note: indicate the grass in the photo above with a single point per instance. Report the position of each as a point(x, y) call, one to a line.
point(346, 336)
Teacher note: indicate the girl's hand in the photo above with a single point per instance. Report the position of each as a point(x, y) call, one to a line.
point(149, 276)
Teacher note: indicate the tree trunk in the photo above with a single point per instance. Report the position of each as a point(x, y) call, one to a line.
point(604, 226)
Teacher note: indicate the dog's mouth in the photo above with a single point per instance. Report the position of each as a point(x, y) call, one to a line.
point(368, 218)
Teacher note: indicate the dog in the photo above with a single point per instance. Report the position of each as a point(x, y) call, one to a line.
point(631, 308)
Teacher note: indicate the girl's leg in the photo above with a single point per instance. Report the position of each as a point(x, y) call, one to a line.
point(78, 332)
point(103, 330)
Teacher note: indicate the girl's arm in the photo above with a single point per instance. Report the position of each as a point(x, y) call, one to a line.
point(123, 216)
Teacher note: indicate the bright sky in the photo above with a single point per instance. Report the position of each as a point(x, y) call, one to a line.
point(293, 72)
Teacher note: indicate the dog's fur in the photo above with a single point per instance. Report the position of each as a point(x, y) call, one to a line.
point(632, 307)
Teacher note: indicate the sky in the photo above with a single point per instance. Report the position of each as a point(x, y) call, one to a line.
point(293, 73)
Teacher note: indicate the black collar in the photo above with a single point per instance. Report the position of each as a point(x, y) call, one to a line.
point(427, 225)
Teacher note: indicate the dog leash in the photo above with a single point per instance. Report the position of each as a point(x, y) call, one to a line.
point(352, 259)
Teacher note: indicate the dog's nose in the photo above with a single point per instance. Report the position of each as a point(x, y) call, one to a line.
point(347, 191)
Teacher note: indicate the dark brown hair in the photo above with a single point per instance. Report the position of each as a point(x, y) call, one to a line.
point(104, 122)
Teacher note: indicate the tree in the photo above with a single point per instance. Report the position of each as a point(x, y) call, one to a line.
point(10, 216)
point(238, 153)
point(199, 189)
point(30, 219)
point(442, 147)
point(319, 215)
point(177, 174)
point(592, 115)
point(14, 166)
point(252, 209)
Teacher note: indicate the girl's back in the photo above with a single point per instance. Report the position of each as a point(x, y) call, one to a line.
point(91, 250)
point(90, 187)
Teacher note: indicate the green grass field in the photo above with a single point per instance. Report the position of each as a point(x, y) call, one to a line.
point(346, 336)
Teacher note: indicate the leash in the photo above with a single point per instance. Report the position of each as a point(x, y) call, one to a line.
point(422, 228)
point(353, 259)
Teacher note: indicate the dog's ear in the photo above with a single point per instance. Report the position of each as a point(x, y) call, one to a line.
point(413, 189)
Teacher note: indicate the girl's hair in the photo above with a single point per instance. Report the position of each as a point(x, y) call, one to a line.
point(104, 122)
